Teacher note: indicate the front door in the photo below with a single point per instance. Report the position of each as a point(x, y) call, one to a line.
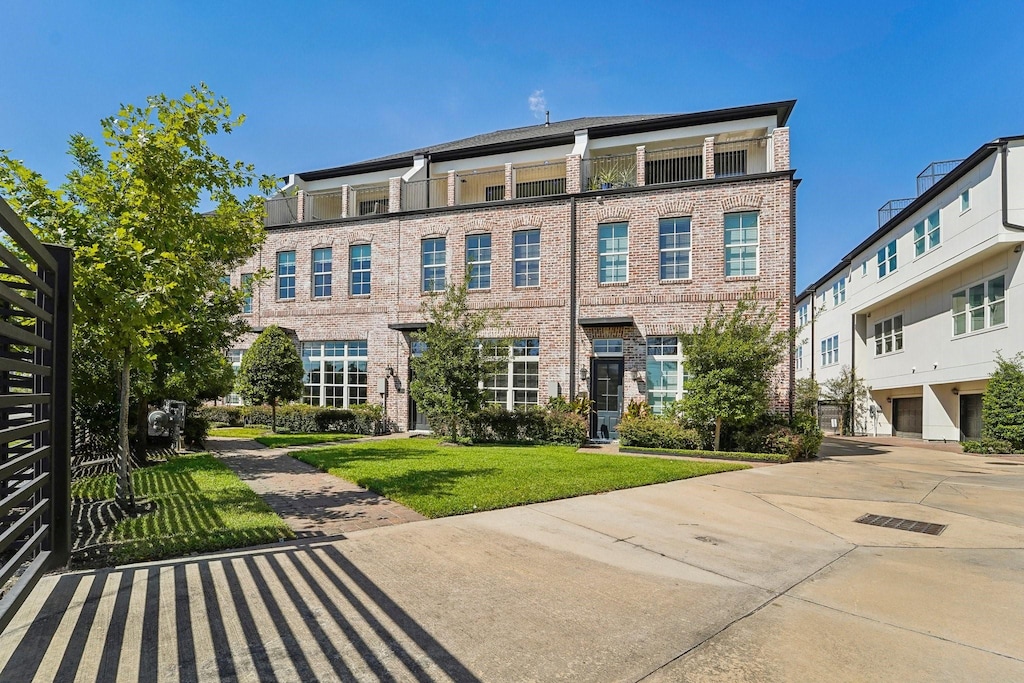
point(417, 419)
point(606, 389)
point(970, 417)
point(907, 417)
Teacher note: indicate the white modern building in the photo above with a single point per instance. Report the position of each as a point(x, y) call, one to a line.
point(921, 307)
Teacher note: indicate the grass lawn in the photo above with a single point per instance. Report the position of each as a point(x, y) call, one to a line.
point(268, 438)
point(201, 505)
point(438, 481)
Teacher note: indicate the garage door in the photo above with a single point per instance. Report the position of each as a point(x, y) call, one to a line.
point(970, 417)
point(906, 417)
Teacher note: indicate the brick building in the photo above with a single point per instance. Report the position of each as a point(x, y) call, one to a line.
point(595, 240)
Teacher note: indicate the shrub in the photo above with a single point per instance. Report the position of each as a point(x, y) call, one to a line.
point(227, 415)
point(1002, 406)
point(367, 418)
point(655, 431)
point(195, 429)
point(565, 428)
point(989, 447)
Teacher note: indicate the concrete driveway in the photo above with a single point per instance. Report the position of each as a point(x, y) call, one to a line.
point(759, 575)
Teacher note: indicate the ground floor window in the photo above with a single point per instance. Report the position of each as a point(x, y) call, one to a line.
point(666, 378)
point(335, 373)
point(517, 381)
point(234, 357)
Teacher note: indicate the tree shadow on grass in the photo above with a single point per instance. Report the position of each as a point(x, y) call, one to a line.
point(435, 483)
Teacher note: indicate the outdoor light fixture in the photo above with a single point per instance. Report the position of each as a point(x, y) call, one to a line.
point(888, 399)
point(956, 391)
point(390, 371)
point(584, 374)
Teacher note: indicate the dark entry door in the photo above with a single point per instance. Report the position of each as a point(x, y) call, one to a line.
point(417, 420)
point(970, 417)
point(907, 416)
point(606, 389)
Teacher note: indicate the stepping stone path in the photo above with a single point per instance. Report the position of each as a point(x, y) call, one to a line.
point(311, 502)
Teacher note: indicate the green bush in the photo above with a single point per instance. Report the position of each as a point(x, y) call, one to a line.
point(299, 418)
point(194, 433)
point(1002, 405)
point(565, 428)
point(227, 415)
point(654, 431)
point(989, 447)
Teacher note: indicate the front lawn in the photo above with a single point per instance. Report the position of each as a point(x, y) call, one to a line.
point(197, 505)
point(269, 438)
point(438, 481)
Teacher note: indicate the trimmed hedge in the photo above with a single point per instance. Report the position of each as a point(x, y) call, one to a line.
point(494, 424)
point(657, 432)
point(990, 447)
point(711, 455)
point(300, 418)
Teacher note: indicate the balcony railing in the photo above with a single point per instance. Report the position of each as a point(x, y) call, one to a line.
point(935, 172)
point(608, 172)
point(891, 208)
point(425, 194)
point(281, 211)
point(322, 206)
point(475, 187)
point(674, 165)
point(741, 157)
point(368, 200)
point(539, 180)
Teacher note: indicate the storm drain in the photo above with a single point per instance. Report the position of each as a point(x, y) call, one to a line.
point(902, 524)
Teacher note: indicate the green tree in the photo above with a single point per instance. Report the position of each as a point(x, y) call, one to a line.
point(145, 256)
point(850, 394)
point(447, 376)
point(1002, 406)
point(730, 359)
point(271, 371)
point(805, 396)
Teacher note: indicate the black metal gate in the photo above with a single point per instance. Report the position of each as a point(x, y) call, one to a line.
point(35, 400)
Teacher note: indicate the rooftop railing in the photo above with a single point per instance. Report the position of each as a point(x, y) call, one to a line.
point(891, 208)
point(368, 200)
point(935, 172)
point(674, 165)
point(539, 180)
point(322, 206)
point(281, 211)
point(475, 187)
point(425, 194)
point(741, 157)
point(609, 172)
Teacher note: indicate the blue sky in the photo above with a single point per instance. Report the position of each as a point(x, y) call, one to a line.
point(882, 88)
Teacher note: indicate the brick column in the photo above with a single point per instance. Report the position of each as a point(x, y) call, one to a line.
point(344, 200)
point(780, 149)
point(709, 157)
point(641, 166)
point(451, 187)
point(508, 182)
point(394, 195)
point(573, 169)
point(300, 205)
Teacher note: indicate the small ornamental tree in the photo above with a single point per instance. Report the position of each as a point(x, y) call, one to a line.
point(447, 376)
point(848, 392)
point(730, 359)
point(805, 396)
point(271, 372)
point(1002, 406)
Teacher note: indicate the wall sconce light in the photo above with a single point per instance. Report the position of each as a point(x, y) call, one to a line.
point(584, 374)
point(888, 399)
point(1016, 249)
point(390, 372)
point(956, 391)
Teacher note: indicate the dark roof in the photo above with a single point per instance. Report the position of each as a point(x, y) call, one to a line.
point(555, 133)
point(938, 188)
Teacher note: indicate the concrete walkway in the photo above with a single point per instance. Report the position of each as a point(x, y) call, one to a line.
point(758, 575)
point(311, 502)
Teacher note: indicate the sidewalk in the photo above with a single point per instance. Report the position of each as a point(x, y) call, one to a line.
point(312, 503)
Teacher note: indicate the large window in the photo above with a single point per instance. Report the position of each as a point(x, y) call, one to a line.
point(234, 357)
point(322, 267)
point(286, 275)
point(613, 252)
point(889, 335)
point(802, 315)
point(335, 373)
point(674, 248)
point(247, 288)
point(359, 269)
point(886, 259)
point(927, 233)
point(516, 382)
point(478, 261)
point(979, 306)
point(839, 291)
point(830, 350)
point(434, 261)
point(741, 243)
point(666, 379)
point(526, 258)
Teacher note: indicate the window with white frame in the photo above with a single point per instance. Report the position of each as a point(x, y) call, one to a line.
point(526, 258)
point(886, 259)
point(335, 373)
point(234, 357)
point(802, 315)
point(322, 267)
point(980, 306)
point(516, 381)
point(286, 275)
point(965, 200)
point(864, 268)
point(434, 261)
point(359, 269)
point(478, 260)
point(674, 248)
point(889, 335)
point(666, 377)
point(927, 233)
point(741, 243)
point(830, 350)
point(839, 291)
point(613, 252)
point(799, 357)
point(247, 288)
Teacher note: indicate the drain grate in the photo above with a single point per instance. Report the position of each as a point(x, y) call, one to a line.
point(902, 524)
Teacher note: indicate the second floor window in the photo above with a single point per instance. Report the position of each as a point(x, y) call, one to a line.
point(889, 335)
point(434, 261)
point(980, 306)
point(799, 357)
point(247, 288)
point(741, 243)
point(359, 269)
point(839, 292)
point(322, 272)
point(613, 252)
point(286, 275)
point(802, 315)
point(526, 258)
point(478, 261)
point(674, 248)
point(830, 350)
point(927, 233)
point(886, 259)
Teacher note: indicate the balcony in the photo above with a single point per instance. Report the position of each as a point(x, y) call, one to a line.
point(368, 200)
point(538, 180)
point(935, 172)
point(609, 172)
point(742, 157)
point(674, 165)
point(477, 187)
point(425, 194)
point(281, 211)
point(891, 208)
point(322, 206)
